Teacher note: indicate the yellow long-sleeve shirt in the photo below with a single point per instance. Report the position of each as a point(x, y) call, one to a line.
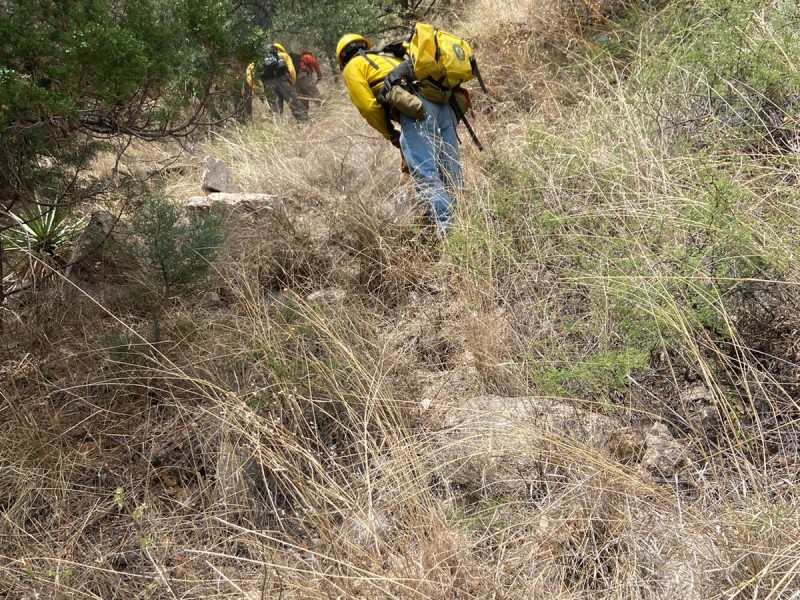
point(364, 82)
point(250, 76)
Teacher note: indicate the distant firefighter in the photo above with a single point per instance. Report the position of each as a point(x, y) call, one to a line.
point(278, 72)
point(308, 74)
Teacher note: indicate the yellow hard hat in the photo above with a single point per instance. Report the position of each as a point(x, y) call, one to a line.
point(348, 42)
point(278, 47)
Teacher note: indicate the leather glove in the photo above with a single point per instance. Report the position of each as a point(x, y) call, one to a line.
point(385, 89)
point(394, 137)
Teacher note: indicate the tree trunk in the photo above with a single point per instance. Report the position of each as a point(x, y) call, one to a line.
point(247, 102)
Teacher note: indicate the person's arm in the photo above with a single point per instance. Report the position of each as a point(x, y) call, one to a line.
point(356, 79)
point(314, 65)
point(402, 72)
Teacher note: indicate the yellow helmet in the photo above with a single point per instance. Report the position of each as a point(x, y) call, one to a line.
point(347, 45)
point(279, 48)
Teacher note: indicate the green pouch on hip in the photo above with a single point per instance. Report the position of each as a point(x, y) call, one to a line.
point(406, 103)
point(433, 93)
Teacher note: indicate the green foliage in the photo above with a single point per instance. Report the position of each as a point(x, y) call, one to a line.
point(319, 25)
point(484, 516)
point(119, 497)
point(723, 70)
point(125, 349)
point(324, 23)
point(38, 238)
point(79, 63)
point(724, 249)
point(602, 373)
point(484, 254)
point(77, 76)
point(174, 254)
point(637, 263)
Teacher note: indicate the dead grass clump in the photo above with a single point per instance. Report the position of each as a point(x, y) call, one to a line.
point(534, 486)
point(391, 259)
point(304, 162)
point(763, 553)
point(288, 258)
point(765, 314)
point(521, 45)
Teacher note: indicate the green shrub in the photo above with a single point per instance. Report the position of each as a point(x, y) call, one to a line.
point(722, 71)
point(38, 239)
point(174, 253)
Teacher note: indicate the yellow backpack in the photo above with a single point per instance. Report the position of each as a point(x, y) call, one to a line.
point(441, 57)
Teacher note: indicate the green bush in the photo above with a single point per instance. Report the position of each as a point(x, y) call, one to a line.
point(173, 252)
point(722, 71)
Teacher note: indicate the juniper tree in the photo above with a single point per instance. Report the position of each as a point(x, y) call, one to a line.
point(81, 76)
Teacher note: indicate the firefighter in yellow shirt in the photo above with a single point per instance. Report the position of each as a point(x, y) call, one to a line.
point(426, 137)
point(363, 75)
point(278, 72)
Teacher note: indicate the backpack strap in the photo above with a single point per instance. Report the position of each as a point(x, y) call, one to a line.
point(371, 62)
point(367, 53)
point(386, 110)
point(462, 117)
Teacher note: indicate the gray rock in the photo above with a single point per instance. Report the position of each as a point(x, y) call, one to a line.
point(664, 457)
point(95, 235)
point(327, 296)
point(253, 204)
point(216, 176)
point(100, 252)
point(499, 444)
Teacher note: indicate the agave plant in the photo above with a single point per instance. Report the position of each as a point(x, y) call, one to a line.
point(36, 240)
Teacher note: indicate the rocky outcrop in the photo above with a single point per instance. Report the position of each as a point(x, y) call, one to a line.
point(249, 204)
point(100, 252)
point(502, 443)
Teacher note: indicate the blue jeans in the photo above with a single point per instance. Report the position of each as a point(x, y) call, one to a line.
point(430, 147)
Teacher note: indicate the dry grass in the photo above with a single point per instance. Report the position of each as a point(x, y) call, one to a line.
point(355, 411)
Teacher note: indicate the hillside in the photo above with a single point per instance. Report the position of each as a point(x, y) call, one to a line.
point(588, 390)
